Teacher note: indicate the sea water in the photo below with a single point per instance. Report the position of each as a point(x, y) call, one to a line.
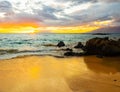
point(13, 45)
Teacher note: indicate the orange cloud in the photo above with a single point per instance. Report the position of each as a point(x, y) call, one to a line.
point(18, 24)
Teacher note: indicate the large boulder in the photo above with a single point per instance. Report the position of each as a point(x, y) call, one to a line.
point(61, 44)
point(119, 41)
point(94, 45)
point(102, 46)
point(110, 50)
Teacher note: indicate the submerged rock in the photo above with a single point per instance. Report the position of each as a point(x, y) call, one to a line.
point(61, 44)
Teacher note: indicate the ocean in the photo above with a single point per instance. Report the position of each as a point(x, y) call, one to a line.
point(14, 45)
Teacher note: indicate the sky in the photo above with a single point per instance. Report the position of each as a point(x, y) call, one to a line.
point(58, 16)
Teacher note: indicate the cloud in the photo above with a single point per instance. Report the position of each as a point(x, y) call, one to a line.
point(109, 0)
point(5, 6)
point(60, 12)
point(47, 12)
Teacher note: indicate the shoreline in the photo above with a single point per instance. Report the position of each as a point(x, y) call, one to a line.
point(48, 55)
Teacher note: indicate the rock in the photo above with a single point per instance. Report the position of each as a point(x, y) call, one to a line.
point(79, 45)
point(102, 46)
point(61, 44)
point(94, 45)
point(111, 50)
point(99, 56)
point(97, 46)
point(119, 41)
point(70, 53)
point(68, 49)
point(100, 34)
point(106, 38)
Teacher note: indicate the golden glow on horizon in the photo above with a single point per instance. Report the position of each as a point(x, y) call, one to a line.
point(21, 27)
point(31, 27)
point(74, 29)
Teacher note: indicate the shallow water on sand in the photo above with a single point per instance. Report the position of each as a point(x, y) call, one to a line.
point(50, 74)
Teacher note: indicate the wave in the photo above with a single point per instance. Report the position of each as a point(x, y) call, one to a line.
point(16, 54)
point(15, 51)
point(4, 51)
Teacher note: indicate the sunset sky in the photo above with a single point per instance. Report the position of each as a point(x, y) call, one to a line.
point(58, 16)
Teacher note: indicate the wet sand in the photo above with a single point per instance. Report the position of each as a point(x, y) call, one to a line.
point(50, 74)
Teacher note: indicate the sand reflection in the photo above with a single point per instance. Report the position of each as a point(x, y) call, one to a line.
point(103, 65)
point(49, 74)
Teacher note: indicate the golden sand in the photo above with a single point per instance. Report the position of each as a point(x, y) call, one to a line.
point(50, 74)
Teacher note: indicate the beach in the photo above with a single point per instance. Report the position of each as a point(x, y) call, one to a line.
point(59, 46)
point(52, 74)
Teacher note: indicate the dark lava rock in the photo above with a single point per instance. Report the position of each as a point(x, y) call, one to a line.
point(61, 44)
point(102, 46)
point(79, 45)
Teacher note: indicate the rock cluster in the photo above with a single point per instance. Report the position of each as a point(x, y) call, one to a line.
point(103, 46)
point(98, 46)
